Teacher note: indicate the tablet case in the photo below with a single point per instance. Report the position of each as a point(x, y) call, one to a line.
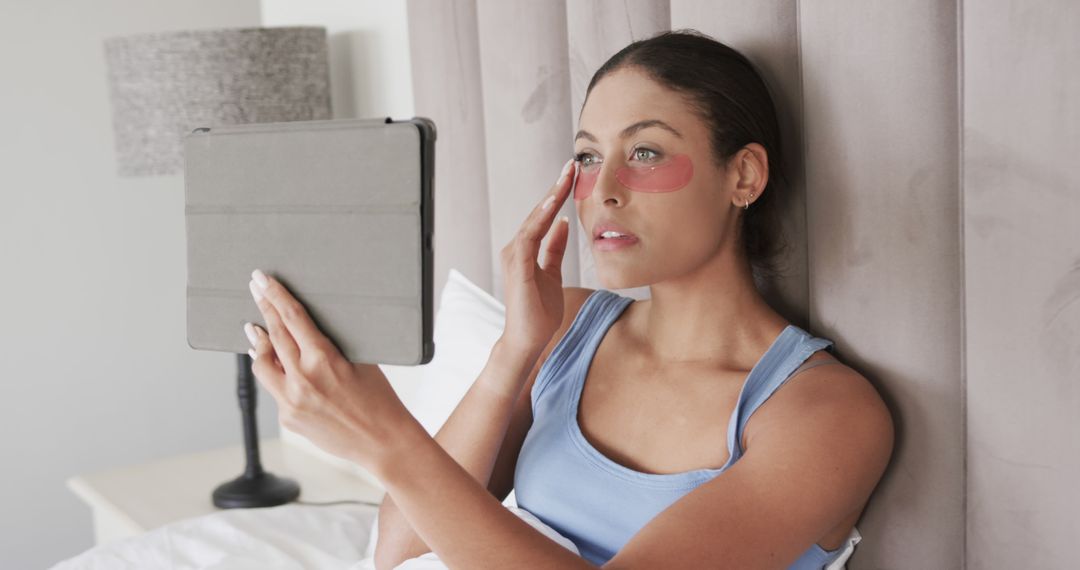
point(340, 211)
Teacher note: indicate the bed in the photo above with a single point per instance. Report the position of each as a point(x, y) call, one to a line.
point(336, 536)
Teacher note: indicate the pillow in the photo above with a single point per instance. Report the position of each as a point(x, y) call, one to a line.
point(468, 324)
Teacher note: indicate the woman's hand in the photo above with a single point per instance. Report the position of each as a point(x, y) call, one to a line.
point(347, 409)
point(533, 292)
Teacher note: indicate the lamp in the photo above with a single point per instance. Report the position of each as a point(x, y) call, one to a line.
point(162, 86)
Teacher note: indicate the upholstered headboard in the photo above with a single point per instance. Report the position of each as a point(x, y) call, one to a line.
point(936, 244)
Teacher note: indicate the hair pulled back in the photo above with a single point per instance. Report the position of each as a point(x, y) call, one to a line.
point(729, 94)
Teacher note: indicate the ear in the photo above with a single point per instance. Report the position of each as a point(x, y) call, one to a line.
point(751, 163)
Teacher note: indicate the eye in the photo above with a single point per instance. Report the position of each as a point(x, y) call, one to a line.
point(649, 154)
point(585, 158)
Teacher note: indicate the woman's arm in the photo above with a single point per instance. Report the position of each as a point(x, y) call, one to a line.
point(536, 308)
point(320, 395)
point(472, 436)
point(468, 430)
point(456, 516)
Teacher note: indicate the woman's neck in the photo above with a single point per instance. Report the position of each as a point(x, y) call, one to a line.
point(712, 315)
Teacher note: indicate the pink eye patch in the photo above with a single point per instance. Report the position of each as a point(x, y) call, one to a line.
point(668, 176)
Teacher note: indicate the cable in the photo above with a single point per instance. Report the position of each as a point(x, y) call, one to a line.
point(342, 502)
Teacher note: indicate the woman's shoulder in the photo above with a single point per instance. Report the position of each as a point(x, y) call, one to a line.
point(574, 301)
point(597, 301)
point(574, 298)
point(838, 383)
point(581, 293)
point(834, 396)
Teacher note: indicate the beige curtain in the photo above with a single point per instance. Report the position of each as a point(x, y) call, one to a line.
point(933, 151)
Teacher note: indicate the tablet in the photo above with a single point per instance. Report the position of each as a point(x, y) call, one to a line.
point(340, 211)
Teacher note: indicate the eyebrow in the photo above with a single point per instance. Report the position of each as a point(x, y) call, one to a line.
point(628, 131)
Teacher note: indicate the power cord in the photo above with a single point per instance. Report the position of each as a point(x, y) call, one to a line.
point(342, 502)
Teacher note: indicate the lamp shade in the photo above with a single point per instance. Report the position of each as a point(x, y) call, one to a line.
point(163, 85)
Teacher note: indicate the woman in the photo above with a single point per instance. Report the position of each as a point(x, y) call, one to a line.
point(608, 416)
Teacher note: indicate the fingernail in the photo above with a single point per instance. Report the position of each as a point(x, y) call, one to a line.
point(251, 353)
point(565, 170)
point(565, 219)
point(250, 332)
point(547, 203)
point(255, 292)
point(260, 278)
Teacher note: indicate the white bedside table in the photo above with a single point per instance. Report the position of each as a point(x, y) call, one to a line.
point(131, 500)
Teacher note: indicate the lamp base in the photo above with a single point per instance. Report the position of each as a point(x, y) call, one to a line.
point(264, 490)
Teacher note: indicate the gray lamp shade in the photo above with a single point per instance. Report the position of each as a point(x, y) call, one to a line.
point(164, 85)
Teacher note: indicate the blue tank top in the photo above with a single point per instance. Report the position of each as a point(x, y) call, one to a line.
point(600, 504)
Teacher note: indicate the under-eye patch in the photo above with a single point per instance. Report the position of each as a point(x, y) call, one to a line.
point(667, 176)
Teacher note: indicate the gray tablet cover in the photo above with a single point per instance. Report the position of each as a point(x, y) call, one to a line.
point(340, 211)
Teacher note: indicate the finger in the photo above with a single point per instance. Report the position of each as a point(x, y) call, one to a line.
point(273, 358)
point(555, 197)
point(277, 382)
point(284, 344)
point(529, 236)
point(549, 206)
point(251, 330)
point(265, 366)
point(556, 247)
point(285, 347)
point(574, 178)
point(292, 313)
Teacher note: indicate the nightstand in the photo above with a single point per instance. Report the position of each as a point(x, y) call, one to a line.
point(130, 500)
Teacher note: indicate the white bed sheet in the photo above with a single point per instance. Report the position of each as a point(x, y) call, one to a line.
point(289, 537)
point(293, 536)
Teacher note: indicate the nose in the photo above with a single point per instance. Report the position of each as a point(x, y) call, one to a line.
point(607, 188)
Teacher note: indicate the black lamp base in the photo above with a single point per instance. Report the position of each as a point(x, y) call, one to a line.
point(255, 488)
point(264, 490)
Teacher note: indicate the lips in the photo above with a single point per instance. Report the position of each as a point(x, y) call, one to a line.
point(606, 226)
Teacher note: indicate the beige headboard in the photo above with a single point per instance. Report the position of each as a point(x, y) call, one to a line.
point(936, 203)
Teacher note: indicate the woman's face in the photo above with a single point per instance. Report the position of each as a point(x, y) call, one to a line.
point(646, 166)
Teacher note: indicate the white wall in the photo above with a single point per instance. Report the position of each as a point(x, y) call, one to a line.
point(369, 52)
point(95, 370)
point(369, 77)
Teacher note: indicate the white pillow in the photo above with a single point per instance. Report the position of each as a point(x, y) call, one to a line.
point(468, 324)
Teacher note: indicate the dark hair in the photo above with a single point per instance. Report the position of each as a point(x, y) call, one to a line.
point(727, 91)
